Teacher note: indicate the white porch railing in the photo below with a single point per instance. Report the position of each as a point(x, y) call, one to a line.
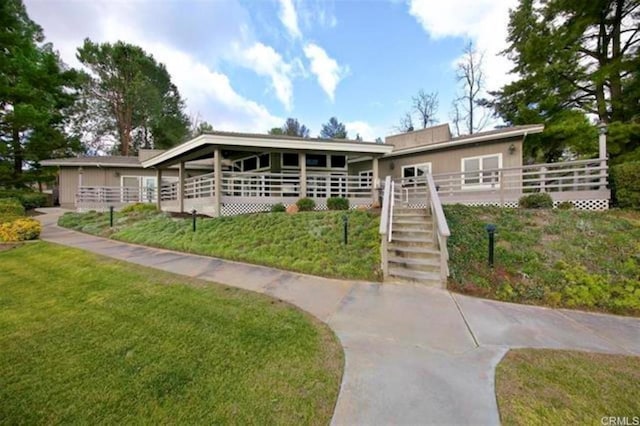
point(235, 184)
point(324, 186)
point(114, 195)
point(385, 224)
point(566, 181)
point(441, 231)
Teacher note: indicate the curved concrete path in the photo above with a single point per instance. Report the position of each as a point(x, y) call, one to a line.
point(413, 355)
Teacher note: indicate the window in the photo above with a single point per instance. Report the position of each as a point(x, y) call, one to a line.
point(338, 161)
point(249, 164)
point(316, 160)
point(416, 172)
point(265, 161)
point(481, 171)
point(290, 160)
point(366, 178)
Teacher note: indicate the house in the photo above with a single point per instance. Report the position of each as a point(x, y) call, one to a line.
point(95, 181)
point(226, 173)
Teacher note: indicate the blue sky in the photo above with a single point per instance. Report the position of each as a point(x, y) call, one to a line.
point(247, 65)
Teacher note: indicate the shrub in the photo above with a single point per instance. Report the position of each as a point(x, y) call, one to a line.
point(305, 204)
point(278, 208)
point(21, 229)
point(338, 203)
point(139, 208)
point(539, 200)
point(10, 208)
point(565, 205)
point(625, 180)
point(28, 199)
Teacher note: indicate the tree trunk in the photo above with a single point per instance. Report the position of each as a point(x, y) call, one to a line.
point(18, 156)
point(617, 105)
point(602, 49)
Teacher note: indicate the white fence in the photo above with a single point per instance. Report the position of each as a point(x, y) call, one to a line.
point(582, 182)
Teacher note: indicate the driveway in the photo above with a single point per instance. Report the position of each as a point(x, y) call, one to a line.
point(413, 355)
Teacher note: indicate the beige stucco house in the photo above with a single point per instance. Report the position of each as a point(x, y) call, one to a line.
point(224, 173)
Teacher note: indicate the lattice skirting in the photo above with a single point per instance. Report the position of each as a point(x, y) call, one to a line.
point(229, 209)
point(595, 205)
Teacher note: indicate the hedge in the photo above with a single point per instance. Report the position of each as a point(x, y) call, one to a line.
point(306, 204)
point(626, 184)
point(29, 199)
point(10, 209)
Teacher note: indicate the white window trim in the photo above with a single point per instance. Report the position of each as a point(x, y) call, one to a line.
point(479, 185)
point(257, 156)
point(428, 165)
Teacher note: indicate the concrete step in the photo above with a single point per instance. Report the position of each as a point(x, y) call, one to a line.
point(403, 210)
point(415, 264)
point(421, 277)
point(412, 226)
point(413, 252)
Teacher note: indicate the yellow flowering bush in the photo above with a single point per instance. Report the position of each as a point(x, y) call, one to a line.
point(20, 230)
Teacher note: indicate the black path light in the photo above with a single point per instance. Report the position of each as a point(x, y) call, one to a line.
point(491, 230)
point(345, 228)
point(110, 216)
point(193, 219)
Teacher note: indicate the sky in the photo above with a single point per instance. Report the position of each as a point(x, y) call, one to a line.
point(247, 65)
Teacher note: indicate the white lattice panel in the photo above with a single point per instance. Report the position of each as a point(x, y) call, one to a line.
point(597, 205)
point(238, 209)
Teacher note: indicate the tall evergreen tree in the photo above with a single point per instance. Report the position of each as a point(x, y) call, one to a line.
point(575, 60)
point(36, 92)
point(291, 127)
point(333, 130)
point(143, 107)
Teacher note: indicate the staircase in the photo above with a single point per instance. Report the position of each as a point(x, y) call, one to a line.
point(412, 253)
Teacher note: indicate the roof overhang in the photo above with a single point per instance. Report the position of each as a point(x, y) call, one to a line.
point(63, 162)
point(206, 143)
point(470, 140)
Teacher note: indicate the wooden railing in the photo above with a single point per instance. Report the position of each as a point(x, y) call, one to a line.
point(114, 195)
point(260, 184)
point(441, 231)
point(510, 182)
point(324, 186)
point(385, 224)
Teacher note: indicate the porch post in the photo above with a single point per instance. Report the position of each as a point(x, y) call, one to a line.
point(159, 188)
point(181, 187)
point(217, 182)
point(375, 181)
point(302, 159)
point(602, 150)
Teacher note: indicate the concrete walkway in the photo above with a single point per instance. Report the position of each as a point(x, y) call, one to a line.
point(414, 355)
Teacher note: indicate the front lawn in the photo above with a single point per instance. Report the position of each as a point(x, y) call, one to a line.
point(559, 258)
point(85, 339)
point(539, 386)
point(308, 242)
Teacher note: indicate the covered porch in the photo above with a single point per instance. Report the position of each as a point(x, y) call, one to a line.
point(250, 173)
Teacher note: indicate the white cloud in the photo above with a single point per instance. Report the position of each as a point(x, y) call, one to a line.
point(207, 91)
point(289, 18)
point(325, 68)
point(368, 132)
point(483, 21)
point(264, 60)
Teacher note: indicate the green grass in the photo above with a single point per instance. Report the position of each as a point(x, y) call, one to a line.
point(309, 242)
point(84, 339)
point(559, 258)
point(537, 386)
